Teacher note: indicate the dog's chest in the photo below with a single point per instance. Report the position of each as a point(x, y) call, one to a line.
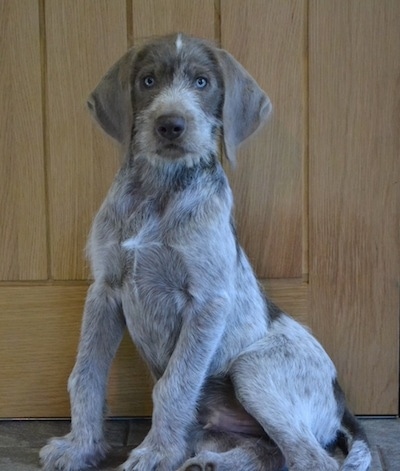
point(133, 243)
point(155, 292)
point(148, 272)
point(161, 249)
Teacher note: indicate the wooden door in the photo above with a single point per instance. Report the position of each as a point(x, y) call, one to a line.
point(317, 191)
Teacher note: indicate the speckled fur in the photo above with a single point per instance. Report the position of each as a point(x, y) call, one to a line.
point(238, 384)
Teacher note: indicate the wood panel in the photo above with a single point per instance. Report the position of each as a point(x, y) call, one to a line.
point(290, 295)
point(39, 330)
point(22, 189)
point(354, 194)
point(39, 333)
point(155, 18)
point(339, 59)
point(268, 38)
point(83, 40)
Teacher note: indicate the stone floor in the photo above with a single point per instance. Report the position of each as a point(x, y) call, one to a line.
point(20, 442)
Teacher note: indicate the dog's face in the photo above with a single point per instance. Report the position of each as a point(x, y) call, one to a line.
point(177, 96)
point(168, 100)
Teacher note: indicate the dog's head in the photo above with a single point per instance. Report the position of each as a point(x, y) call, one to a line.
point(170, 98)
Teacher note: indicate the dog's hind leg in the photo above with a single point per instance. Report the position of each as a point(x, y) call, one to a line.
point(285, 383)
point(299, 446)
point(102, 330)
point(224, 451)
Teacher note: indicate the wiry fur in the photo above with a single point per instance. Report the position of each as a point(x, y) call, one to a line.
point(238, 384)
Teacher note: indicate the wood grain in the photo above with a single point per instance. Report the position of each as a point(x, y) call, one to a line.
point(268, 38)
point(289, 295)
point(83, 40)
point(354, 194)
point(22, 183)
point(155, 18)
point(331, 68)
point(39, 333)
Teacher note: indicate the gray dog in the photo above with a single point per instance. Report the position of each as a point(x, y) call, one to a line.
point(238, 384)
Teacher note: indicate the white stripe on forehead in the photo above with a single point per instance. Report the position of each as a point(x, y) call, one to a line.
point(178, 43)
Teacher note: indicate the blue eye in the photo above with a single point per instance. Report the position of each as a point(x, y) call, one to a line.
point(149, 81)
point(201, 82)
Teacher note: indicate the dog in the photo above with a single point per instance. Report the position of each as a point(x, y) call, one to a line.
point(238, 383)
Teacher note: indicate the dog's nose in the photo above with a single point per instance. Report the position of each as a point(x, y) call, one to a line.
point(170, 126)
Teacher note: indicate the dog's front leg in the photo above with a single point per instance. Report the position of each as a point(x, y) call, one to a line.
point(176, 393)
point(102, 330)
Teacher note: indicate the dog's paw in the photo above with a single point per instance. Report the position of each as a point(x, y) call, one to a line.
point(65, 454)
point(196, 466)
point(201, 462)
point(206, 461)
point(199, 467)
point(146, 458)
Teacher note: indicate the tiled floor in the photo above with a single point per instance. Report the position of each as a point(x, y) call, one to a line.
point(20, 442)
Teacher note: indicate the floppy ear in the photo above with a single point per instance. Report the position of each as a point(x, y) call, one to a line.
point(110, 101)
point(246, 106)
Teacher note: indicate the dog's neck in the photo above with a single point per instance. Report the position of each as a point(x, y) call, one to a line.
point(158, 176)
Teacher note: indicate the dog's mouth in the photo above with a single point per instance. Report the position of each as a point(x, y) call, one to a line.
point(171, 150)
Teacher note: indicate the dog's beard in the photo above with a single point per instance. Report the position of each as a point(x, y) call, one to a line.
point(195, 146)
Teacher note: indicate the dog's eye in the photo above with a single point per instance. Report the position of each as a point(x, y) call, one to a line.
point(201, 82)
point(149, 81)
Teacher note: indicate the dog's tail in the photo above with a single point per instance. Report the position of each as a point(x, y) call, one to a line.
point(353, 441)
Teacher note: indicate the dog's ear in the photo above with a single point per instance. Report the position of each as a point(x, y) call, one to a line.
point(246, 106)
point(110, 101)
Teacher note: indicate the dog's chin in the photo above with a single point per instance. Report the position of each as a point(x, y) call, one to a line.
point(175, 153)
point(171, 151)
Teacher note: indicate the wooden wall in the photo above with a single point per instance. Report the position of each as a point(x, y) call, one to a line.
point(317, 191)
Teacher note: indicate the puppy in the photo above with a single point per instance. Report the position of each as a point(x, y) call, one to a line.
point(238, 384)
